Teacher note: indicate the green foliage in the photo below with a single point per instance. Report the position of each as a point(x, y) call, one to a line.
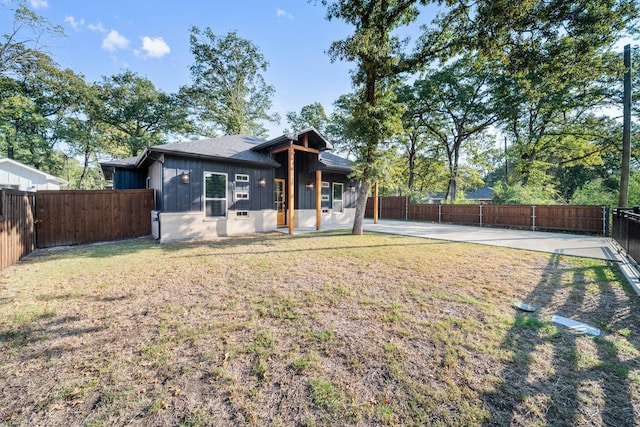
point(373, 115)
point(594, 193)
point(137, 114)
point(600, 192)
point(456, 104)
point(228, 90)
point(310, 115)
point(524, 194)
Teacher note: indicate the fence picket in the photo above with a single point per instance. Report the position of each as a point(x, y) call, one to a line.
point(589, 219)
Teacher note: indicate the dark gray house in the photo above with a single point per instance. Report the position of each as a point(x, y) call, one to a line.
point(240, 184)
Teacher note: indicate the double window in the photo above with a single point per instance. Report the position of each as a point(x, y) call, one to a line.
point(215, 194)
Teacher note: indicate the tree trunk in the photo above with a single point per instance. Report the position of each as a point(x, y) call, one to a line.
point(361, 204)
point(412, 163)
point(85, 169)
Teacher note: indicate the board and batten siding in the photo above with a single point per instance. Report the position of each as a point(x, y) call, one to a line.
point(307, 197)
point(180, 197)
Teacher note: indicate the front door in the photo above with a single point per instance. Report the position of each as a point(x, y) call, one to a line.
point(280, 197)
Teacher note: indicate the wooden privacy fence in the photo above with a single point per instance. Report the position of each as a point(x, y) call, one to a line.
point(72, 217)
point(586, 219)
point(53, 218)
point(17, 226)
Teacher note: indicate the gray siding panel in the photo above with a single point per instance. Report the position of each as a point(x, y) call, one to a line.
point(180, 197)
point(127, 179)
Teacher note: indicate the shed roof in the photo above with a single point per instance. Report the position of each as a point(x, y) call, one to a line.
point(333, 162)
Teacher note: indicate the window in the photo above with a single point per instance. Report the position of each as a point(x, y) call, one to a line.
point(215, 194)
point(242, 195)
point(338, 189)
point(242, 214)
point(240, 177)
point(325, 197)
point(325, 184)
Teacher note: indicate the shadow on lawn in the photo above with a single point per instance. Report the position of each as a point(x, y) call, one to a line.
point(560, 393)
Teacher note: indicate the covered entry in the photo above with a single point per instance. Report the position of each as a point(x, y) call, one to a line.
point(309, 181)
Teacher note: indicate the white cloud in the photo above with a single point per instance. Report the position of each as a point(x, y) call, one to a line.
point(155, 47)
point(284, 14)
point(72, 21)
point(97, 27)
point(114, 41)
point(37, 4)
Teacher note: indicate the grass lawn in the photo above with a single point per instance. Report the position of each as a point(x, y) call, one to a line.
point(317, 329)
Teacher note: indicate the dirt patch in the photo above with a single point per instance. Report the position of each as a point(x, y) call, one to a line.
point(319, 329)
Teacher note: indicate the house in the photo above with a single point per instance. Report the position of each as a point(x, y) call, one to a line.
point(239, 184)
point(18, 176)
point(481, 196)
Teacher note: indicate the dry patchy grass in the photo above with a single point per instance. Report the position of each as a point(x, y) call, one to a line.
point(322, 329)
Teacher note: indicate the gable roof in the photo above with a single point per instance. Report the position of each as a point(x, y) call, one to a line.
point(316, 140)
point(234, 148)
point(237, 148)
point(47, 177)
point(485, 193)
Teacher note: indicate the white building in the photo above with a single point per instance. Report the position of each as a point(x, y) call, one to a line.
point(18, 176)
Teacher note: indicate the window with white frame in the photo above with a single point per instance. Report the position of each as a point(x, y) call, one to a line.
point(241, 177)
point(215, 194)
point(242, 195)
point(338, 190)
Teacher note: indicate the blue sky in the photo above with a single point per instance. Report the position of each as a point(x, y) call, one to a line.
point(151, 38)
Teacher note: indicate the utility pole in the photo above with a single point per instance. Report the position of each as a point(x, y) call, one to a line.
point(623, 199)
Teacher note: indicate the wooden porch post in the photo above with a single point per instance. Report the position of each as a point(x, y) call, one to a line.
point(318, 199)
point(375, 202)
point(290, 192)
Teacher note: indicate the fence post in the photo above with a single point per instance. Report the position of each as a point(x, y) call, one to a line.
point(480, 215)
point(605, 221)
point(406, 209)
point(439, 213)
point(533, 218)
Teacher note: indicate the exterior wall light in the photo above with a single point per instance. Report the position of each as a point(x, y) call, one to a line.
point(262, 182)
point(309, 185)
point(185, 178)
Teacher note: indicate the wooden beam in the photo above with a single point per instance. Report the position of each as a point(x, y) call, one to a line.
point(295, 147)
point(290, 192)
point(306, 149)
point(318, 199)
point(280, 149)
point(375, 202)
point(305, 140)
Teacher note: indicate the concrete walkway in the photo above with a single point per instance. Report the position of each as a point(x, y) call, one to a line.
point(556, 243)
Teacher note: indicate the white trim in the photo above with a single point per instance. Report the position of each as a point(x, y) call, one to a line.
point(242, 195)
point(242, 177)
point(205, 198)
point(341, 199)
